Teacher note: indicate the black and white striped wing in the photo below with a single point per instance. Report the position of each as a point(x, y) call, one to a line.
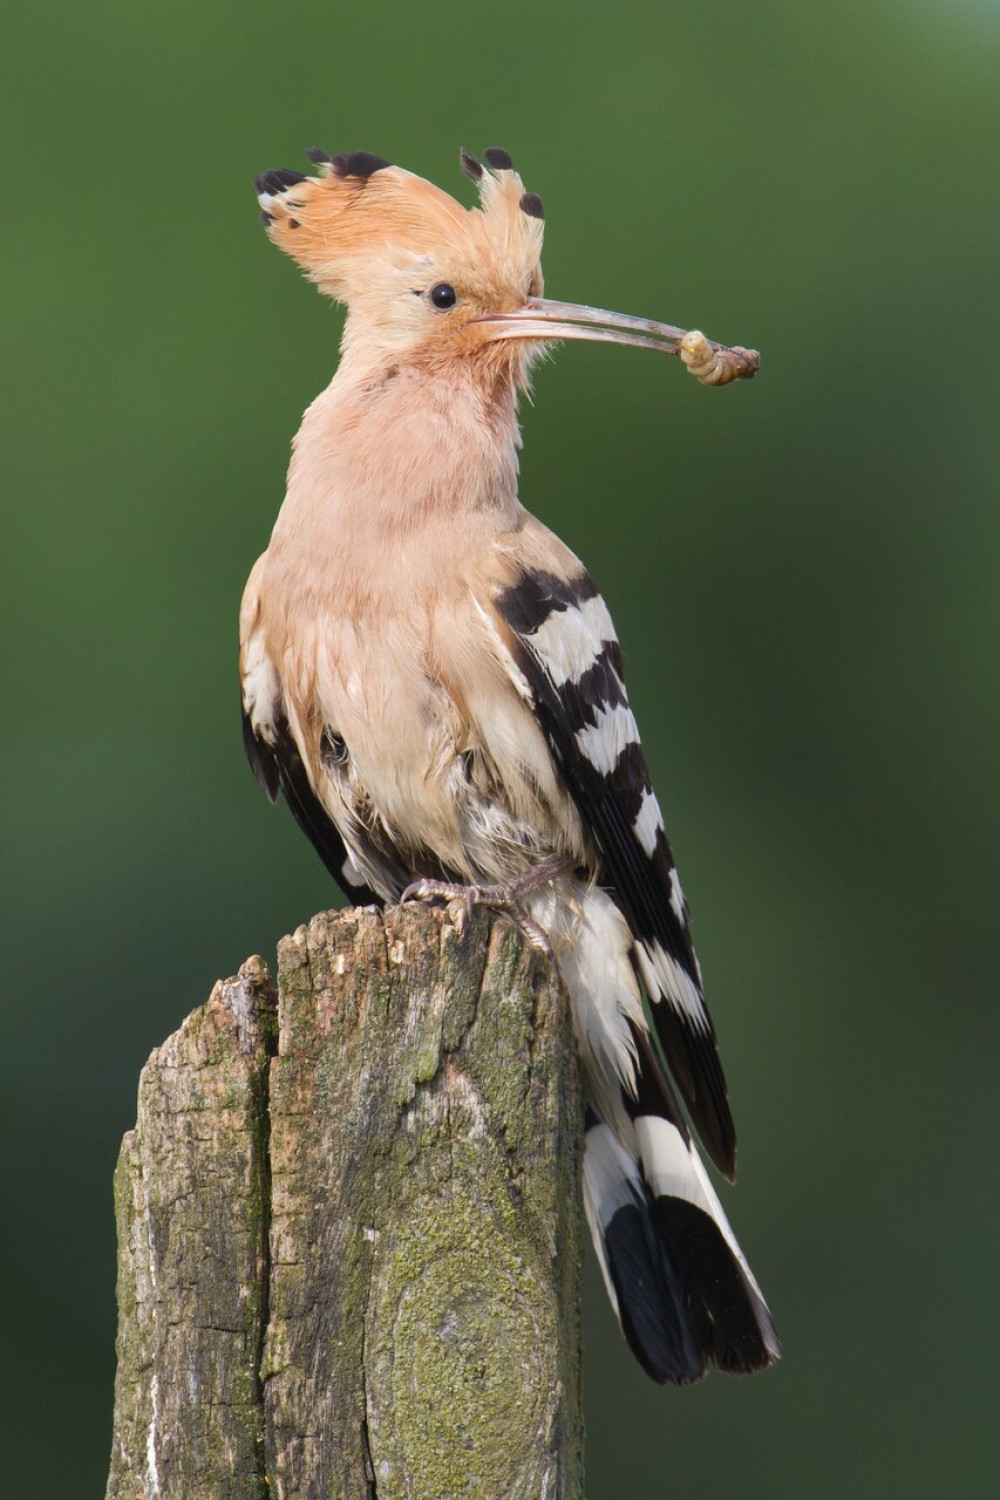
point(564, 644)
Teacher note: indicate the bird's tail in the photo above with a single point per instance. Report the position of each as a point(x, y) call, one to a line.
point(677, 1279)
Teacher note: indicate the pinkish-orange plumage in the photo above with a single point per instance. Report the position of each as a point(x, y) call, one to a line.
point(433, 682)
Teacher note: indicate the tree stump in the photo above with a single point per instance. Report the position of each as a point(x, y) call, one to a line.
point(349, 1227)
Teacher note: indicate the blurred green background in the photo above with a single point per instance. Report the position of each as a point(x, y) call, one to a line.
point(803, 571)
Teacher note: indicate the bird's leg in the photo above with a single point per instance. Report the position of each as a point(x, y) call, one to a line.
point(508, 897)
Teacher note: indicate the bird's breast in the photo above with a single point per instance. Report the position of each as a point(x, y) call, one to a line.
point(408, 721)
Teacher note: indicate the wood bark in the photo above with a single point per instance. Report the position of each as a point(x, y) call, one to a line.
point(349, 1227)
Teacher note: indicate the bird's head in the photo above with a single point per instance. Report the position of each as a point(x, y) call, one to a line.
point(428, 281)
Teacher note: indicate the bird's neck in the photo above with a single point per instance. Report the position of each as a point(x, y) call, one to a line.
point(402, 447)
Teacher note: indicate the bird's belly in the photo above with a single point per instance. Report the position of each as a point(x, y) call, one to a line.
point(451, 775)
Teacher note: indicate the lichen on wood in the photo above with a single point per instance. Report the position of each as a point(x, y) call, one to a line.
point(349, 1226)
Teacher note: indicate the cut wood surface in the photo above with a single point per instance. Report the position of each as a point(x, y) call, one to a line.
point(349, 1227)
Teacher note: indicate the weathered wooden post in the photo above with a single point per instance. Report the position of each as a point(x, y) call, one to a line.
point(349, 1227)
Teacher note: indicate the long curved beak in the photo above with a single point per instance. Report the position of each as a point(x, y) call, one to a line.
point(542, 318)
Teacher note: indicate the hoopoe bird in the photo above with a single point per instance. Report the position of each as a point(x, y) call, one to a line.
point(432, 681)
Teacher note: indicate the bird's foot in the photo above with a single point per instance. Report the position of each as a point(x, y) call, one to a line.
point(505, 895)
point(508, 896)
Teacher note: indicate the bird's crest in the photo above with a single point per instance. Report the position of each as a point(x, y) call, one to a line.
point(360, 210)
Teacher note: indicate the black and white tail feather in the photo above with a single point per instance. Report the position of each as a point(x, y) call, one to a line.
point(675, 1275)
point(674, 1271)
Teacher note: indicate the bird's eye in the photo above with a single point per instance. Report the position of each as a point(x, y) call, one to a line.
point(443, 296)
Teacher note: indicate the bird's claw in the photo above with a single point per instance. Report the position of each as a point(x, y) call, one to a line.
point(508, 898)
point(447, 890)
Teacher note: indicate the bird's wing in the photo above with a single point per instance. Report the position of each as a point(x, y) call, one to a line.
point(565, 659)
point(275, 758)
point(277, 765)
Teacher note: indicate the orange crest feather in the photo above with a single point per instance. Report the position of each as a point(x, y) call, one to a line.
point(360, 210)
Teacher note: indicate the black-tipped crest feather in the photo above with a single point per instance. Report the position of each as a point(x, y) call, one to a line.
point(470, 165)
point(277, 180)
point(358, 164)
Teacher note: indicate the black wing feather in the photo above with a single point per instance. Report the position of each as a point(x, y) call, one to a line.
point(278, 767)
point(609, 803)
